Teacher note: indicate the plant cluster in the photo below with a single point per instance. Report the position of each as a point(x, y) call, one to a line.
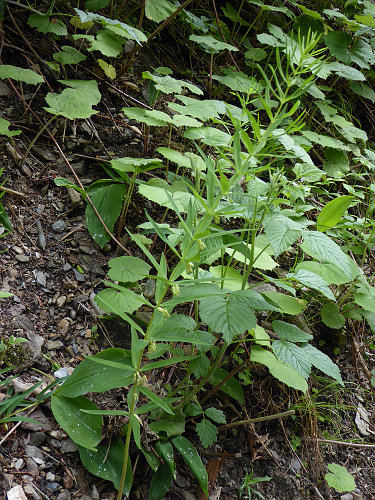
point(270, 183)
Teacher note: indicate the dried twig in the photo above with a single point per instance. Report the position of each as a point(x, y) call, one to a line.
point(258, 419)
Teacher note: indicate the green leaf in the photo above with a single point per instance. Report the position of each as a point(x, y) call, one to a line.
point(112, 300)
point(279, 370)
point(322, 362)
point(94, 377)
point(161, 192)
point(20, 74)
point(255, 54)
point(46, 25)
point(331, 316)
point(154, 398)
point(158, 10)
point(169, 425)
point(186, 159)
point(215, 415)
point(129, 269)
point(336, 164)
point(233, 278)
point(208, 135)
point(287, 331)
point(338, 43)
point(332, 212)
point(165, 451)
point(281, 232)
point(127, 164)
point(160, 481)
point(292, 355)
point(210, 44)
point(238, 81)
point(94, 5)
point(227, 314)
point(339, 478)
point(76, 101)
point(107, 462)
point(288, 304)
point(107, 200)
point(231, 386)
point(348, 72)
point(83, 428)
point(290, 145)
point(170, 85)
point(4, 129)
point(328, 272)
point(207, 432)
point(106, 42)
point(365, 297)
point(199, 366)
point(108, 69)
point(152, 117)
point(312, 280)
point(204, 109)
point(260, 335)
point(319, 246)
point(191, 457)
point(68, 55)
point(362, 90)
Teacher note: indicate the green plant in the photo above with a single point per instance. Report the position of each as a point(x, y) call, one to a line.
point(339, 478)
point(248, 483)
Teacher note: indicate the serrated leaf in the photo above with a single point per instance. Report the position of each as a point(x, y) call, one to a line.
point(158, 10)
point(204, 109)
point(46, 25)
point(328, 272)
point(186, 159)
point(199, 365)
point(339, 478)
point(255, 54)
point(112, 300)
point(336, 164)
point(20, 74)
point(261, 337)
point(83, 428)
point(210, 44)
point(322, 362)
point(281, 232)
point(365, 297)
point(313, 281)
point(208, 135)
point(349, 73)
point(290, 145)
point(288, 304)
point(69, 55)
point(4, 129)
point(156, 190)
point(292, 355)
point(238, 81)
point(107, 462)
point(74, 102)
point(279, 370)
point(128, 268)
point(287, 331)
point(331, 316)
point(108, 69)
point(216, 415)
point(362, 90)
point(152, 117)
point(170, 85)
point(325, 140)
point(207, 432)
point(319, 246)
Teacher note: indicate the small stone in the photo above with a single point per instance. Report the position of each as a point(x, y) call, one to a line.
point(41, 278)
point(94, 493)
point(68, 446)
point(63, 326)
point(22, 258)
point(50, 476)
point(18, 250)
point(149, 289)
point(61, 301)
point(61, 372)
point(347, 496)
point(52, 486)
point(16, 493)
point(53, 345)
point(64, 495)
point(43, 424)
point(37, 438)
point(19, 464)
point(59, 226)
point(86, 249)
point(78, 275)
point(67, 267)
point(34, 452)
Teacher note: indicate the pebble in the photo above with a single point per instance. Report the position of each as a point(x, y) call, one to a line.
point(59, 226)
point(64, 495)
point(63, 326)
point(52, 486)
point(50, 476)
point(19, 464)
point(79, 276)
point(18, 250)
point(67, 267)
point(41, 278)
point(68, 446)
point(34, 452)
point(61, 301)
point(22, 258)
point(53, 345)
point(149, 289)
point(37, 438)
point(16, 493)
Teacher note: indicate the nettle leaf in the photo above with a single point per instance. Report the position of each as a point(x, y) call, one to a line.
point(290, 145)
point(319, 246)
point(204, 109)
point(160, 192)
point(260, 335)
point(338, 43)
point(128, 164)
point(199, 365)
point(312, 280)
point(69, 55)
point(262, 259)
point(20, 74)
point(186, 159)
point(332, 212)
point(210, 44)
point(322, 362)
point(336, 164)
point(324, 140)
point(208, 135)
point(46, 25)
point(365, 297)
point(255, 54)
point(106, 42)
point(112, 300)
point(128, 268)
point(287, 331)
point(230, 278)
point(185, 121)
point(328, 272)
point(4, 129)
point(107, 200)
point(348, 72)
point(159, 10)
point(106, 462)
point(292, 355)
point(216, 415)
point(169, 85)
point(281, 232)
point(362, 90)
point(83, 428)
point(331, 316)
point(339, 478)
point(238, 81)
point(152, 117)
point(279, 370)
point(287, 304)
point(207, 432)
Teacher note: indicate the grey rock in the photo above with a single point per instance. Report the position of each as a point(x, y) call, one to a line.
point(61, 372)
point(347, 496)
point(64, 495)
point(41, 278)
point(78, 275)
point(67, 267)
point(357, 496)
point(61, 301)
point(24, 322)
point(22, 258)
point(38, 415)
point(52, 345)
point(33, 452)
point(149, 289)
point(67, 446)
point(37, 438)
point(53, 486)
point(59, 226)
point(50, 476)
point(19, 464)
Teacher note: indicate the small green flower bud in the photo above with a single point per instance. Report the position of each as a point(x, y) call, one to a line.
point(189, 267)
point(201, 245)
point(164, 312)
point(175, 289)
point(151, 347)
